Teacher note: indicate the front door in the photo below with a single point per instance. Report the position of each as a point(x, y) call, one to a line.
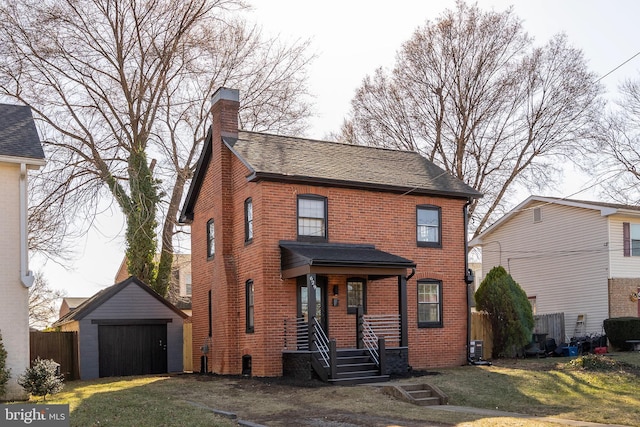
point(321, 297)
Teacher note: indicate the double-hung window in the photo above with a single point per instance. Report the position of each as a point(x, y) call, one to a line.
point(211, 239)
point(631, 239)
point(429, 303)
point(635, 239)
point(312, 218)
point(248, 220)
point(428, 226)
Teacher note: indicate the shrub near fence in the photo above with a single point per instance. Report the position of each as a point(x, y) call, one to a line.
point(62, 347)
point(551, 324)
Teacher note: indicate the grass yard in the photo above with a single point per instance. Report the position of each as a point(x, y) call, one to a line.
point(606, 391)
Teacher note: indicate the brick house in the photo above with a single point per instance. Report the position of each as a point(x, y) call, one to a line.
point(301, 249)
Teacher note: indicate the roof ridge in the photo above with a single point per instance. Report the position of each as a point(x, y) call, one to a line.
point(299, 138)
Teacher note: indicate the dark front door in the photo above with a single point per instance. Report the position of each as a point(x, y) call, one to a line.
point(132, 349)
point(321, 299)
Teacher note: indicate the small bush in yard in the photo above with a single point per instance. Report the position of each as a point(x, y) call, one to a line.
point(509, 311)
point(621, 329)
point(4, 372)
point(42, 378)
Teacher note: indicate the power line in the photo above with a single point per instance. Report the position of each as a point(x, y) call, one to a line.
point(625, 62)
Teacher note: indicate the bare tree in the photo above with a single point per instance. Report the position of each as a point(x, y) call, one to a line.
point(42, 302)
point(122, 91)
point(616, 154)
point(472, 93)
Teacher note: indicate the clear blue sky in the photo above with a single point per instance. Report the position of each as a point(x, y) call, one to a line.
point(351, 39)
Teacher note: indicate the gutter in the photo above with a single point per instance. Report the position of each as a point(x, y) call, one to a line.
point(26, 276)
point(468, 277)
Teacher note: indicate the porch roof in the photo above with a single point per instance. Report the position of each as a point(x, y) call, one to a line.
point(300, 258)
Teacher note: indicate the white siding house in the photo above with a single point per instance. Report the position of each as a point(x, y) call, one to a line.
point(20, 150)
point(569, 256)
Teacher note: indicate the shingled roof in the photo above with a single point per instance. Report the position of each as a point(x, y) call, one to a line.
point(105, 294)
point(18, 135)
point(284, 158)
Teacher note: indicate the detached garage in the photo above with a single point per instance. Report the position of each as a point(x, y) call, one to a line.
point(126, 329)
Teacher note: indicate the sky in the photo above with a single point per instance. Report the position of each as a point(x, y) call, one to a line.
point(352, 38)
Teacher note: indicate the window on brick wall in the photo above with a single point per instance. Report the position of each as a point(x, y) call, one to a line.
point(428, 226)
point(312, 218)
point(211, 239)
point(429, 303)
point(356, 295)
point(248, 220)
point(249, 306)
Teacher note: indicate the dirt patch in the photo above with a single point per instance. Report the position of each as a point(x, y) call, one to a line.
point(289, 402)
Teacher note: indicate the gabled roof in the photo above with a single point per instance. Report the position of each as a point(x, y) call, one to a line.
point(104, 295)
point(18, 135)
point(604, 208)
point(283, 158)
point(298, 258)
point(74, 302)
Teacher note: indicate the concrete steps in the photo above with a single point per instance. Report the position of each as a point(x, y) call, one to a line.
point(419, 394)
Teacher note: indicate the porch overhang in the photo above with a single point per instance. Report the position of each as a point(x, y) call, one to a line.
point(301, 258)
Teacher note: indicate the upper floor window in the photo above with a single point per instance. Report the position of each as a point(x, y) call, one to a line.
point(631, 239)
point(248, 220)
point(429, 304)
point(211, 239)
point(312, 217)
point(249, 306)
point(428, 226)
point(356, 295)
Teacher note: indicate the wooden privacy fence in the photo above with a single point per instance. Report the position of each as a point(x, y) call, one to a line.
point(481, 330)
point(551, 324)
point(62, 347)
point(187, 348)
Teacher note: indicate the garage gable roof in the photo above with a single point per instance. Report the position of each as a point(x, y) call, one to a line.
point(104, 295)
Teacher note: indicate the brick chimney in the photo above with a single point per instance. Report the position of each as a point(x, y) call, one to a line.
point(224, 110)
point(225, 104)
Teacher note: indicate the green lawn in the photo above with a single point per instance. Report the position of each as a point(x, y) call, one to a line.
point(543, 387)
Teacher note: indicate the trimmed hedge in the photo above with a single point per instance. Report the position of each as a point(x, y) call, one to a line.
point(621, 329)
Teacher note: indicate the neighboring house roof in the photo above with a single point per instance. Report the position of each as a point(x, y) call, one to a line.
point(304, 257)
point(605, 209)
point(18, 134)
point(74, 302)
point(283, 158)
point(104, 295)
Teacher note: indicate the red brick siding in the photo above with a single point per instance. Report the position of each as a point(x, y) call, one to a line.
point(384, 219)
point(355, 216)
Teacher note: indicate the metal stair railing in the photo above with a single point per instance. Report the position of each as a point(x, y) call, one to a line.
point(296, 334)
point(321, 342)
point(385, 326)
point(370, 341)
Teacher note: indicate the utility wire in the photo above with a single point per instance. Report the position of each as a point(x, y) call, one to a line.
point(619, 66)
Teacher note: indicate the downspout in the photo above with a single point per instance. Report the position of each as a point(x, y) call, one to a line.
point(468, 277)
point(26, 276)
